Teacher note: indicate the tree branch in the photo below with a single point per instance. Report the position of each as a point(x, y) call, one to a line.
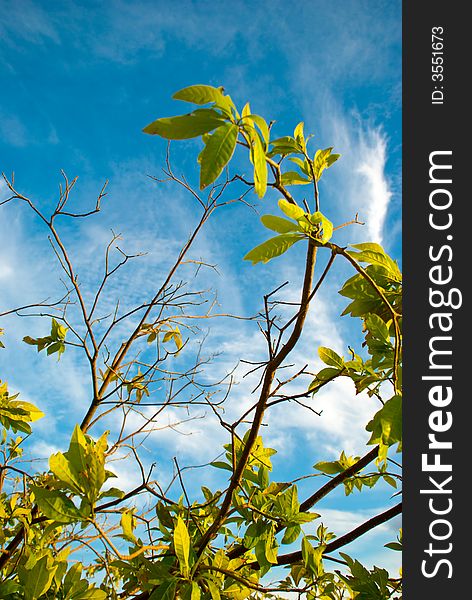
point(271, 369)
point(293, 557)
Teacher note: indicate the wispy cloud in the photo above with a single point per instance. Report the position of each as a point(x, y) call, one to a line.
point(360, 181)
point(373, 147)
point(341, 521)
point(12, 130)
point(27, 20)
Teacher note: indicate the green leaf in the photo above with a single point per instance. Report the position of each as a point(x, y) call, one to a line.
point(291, 534)
point(9, 587)
point(327, 229)
point(188, 126)
point(174, 335)
point(72, 577)
point(58, 332)
point(304, 518)
point(112, 492)
point(168, 336)
point(217, 153)
point(214, 591)
point(200, 94)
point(182, 545)
point(330, 357)
point(263, 477)
point(323, 160)
point(64, 471)
point(386, 426)
point(32, 412)
point(279, 224)
point(253, 533)
point(377, 327)
point(52, 343)
point(221, 465)
point(38, 580)
point(246, 112)
point(101, 446)
point(56, 505)
point(366, 585)
point(365, 297)
point(285, 145)
point(370, 246)
point(127, 523)
point(192, 592)
point(258, 159)
point(394, 546)
point(330, 468)
point(322, 377)
point(77, 452)
point(166, 591)
point(92, 593)
point(271, 549)
point(374, 254)
point(298, 135)
point(293, 211)
point(303, 164)
point(86, 460)
point(291, 500)
point(271, 248)
point(332, 159)
point(326, 225)
point(58, 347)
point(261, 123)
point(390, 480)
point(294, 178)
point(312, 557)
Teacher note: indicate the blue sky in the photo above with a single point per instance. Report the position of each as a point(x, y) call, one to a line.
point(79, 82)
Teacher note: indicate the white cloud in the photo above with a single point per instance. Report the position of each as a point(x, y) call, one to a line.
point(359, 178)
point(42, 450)
point(128, 474)
point(370, 545)
point(25, 19)
point(12, 130)
point(372, 149)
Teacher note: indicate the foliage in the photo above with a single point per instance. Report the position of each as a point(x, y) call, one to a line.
point(225, 544)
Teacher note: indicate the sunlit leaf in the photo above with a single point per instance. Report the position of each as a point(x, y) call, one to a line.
point(217, 153)
point(56, 505)
point(330, 357)
point(271, 248)
point(258, 159)
point(65, 472)
point(263, 127)
point(294, 178)
point(182, 545)
point(298, 134)
point(293, 211)
point(183, 127)
point(199, 94)
point(386, 425)
point(279, 224)
point(38, 579)
point(291, 534)
point(128, 524)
